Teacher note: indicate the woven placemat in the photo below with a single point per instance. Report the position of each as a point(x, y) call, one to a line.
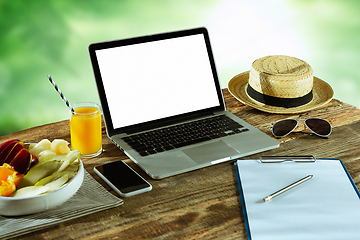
point(90, 198)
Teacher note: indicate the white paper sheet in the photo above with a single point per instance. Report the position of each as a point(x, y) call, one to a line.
point(324, 207)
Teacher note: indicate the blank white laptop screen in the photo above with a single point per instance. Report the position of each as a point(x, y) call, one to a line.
point(161, 79)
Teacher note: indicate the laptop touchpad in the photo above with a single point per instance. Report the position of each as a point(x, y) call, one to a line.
point(210, 152)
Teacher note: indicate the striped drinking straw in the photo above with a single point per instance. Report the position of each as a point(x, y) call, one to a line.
point(61, 94)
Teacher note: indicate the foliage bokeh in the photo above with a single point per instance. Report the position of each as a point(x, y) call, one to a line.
point(41, 37)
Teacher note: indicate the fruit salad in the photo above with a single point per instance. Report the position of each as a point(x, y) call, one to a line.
point(43, 167)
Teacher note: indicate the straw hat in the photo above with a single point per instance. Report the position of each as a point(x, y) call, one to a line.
point(280, 84)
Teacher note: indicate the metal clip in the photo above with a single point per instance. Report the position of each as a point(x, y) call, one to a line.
point(280, 159)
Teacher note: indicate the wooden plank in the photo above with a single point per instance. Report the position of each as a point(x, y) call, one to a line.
point(202, 204)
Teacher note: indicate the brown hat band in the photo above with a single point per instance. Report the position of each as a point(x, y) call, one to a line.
point(278, 102)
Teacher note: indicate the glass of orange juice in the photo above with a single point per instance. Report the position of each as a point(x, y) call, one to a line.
point(85, 129)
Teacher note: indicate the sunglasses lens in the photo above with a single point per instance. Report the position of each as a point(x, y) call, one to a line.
point(283, 127)
point(319, 126)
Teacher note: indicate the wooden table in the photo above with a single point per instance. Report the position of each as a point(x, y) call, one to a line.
point(204, 203)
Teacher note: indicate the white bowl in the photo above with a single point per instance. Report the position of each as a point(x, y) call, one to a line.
point(16, 206)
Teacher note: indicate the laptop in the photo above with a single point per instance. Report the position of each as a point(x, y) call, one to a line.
point(163, 106)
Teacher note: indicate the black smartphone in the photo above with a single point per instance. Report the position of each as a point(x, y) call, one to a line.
point(122, 178)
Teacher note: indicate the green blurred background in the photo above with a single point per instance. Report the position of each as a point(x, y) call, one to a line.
point(41, 37)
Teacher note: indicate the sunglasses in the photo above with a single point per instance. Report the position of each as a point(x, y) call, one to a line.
point(318, 126)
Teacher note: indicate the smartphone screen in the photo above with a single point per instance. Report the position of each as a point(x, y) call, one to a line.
point(123, 179)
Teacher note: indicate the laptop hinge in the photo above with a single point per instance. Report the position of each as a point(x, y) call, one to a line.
point(169, 122)
point(218, 113)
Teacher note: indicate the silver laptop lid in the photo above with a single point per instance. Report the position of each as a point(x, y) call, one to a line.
point(164, 76)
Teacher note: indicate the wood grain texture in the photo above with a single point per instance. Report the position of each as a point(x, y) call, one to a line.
point(202, 204)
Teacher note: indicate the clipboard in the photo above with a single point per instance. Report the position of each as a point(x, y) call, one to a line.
point(325, 207)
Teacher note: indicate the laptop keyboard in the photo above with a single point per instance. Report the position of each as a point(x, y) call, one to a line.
point(182, 135)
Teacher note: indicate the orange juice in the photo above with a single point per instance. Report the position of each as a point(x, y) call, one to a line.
point(85, 129)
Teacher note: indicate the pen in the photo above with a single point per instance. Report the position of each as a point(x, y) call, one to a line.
point(265, 199)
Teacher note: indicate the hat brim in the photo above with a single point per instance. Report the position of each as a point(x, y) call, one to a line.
point(322, 94)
